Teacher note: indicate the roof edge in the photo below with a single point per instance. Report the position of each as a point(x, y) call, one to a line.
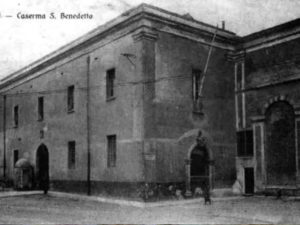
point(125, 16)
point(270, 31)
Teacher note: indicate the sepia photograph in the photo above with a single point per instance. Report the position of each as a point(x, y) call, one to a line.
point(150, 112)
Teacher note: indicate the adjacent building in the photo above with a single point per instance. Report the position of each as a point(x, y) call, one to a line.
point(118, 110)
point(267, 109)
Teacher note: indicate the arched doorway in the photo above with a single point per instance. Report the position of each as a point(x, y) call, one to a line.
point(199, 167)
point(280, 157)
point(42, 167)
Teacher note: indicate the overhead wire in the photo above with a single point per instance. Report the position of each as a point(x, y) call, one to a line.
point(83, 88)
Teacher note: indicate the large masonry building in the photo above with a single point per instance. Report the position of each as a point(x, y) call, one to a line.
point(119, 110)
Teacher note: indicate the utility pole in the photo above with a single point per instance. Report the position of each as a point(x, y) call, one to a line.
point(88, 126)
point(207, 62)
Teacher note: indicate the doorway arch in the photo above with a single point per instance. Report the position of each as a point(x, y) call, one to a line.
point(199, 170)
point(280, 159)
point(42, 167)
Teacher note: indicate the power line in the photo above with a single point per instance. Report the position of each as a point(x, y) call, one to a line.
point(116, 85)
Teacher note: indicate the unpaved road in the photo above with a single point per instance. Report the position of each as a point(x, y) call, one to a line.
point(40, 209)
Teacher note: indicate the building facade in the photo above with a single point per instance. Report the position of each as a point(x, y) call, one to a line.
point(118, 111)
point(267, 83)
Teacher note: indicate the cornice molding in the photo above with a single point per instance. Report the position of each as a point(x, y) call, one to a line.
point(145, 33)
point(261, 43)
point(236, 56)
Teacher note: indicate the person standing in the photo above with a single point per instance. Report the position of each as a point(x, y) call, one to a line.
point(44, 181)
point(205, 162)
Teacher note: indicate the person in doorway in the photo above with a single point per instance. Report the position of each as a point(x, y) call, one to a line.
point(44, 182)
point(201, 145)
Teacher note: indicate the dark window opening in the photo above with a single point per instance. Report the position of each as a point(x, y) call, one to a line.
point(16, 116)
point(196, 83)
point(71, 154)
point(111, 150)
point(71, 98)
point(16, 157)
point(245, 143)
point(110, 79)
point(41, 108)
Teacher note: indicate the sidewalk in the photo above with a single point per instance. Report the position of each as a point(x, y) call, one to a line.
point(13, 193)
point(111, 200)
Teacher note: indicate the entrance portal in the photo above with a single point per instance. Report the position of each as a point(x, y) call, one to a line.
point(280, 154)
point(42, 167)
point(249, 180)
point(199, 172)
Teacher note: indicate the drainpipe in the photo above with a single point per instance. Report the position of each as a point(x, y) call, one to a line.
point(88, 126)
point(4, 136)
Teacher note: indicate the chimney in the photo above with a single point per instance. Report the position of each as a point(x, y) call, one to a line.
point(223, 24)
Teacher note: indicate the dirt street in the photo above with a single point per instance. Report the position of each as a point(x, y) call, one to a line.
point(39, 209)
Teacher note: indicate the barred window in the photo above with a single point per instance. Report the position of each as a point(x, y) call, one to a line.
point(245, 143)
point(110, 79)
point(71, 154)
point(111, 150)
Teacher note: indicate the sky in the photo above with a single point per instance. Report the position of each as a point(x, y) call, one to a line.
point(24, 41)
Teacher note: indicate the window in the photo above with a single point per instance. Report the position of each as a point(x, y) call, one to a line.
point(16, 157)
point(71, 154)
point(16, 116)
point(196, 83)
point(111, 150)
point(41, 108)
point(110, 78)
point(71, 98)
point(245, 143)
